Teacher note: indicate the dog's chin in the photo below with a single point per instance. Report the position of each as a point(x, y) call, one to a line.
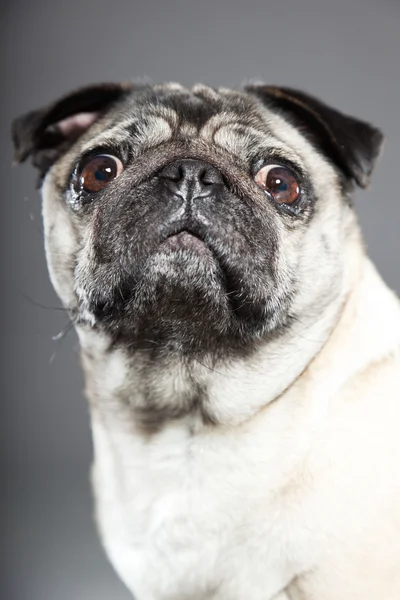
point(180, 303)
point(177, 304)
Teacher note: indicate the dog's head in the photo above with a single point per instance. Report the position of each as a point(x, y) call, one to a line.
point(196, 221)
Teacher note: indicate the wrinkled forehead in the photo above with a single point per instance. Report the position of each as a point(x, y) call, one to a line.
point(234, 122)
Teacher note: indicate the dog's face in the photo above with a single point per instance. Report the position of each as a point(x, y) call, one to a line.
point(196, 222)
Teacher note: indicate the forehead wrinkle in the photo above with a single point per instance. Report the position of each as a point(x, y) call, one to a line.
point(227, 136)
point(233, 115)
point(234, 140)
point(151, 131)
point(161, 111)
point(187, 130)
point(240, 129)
point(120, 124)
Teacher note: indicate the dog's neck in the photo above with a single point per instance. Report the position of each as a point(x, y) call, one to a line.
point(132, 390)
point(150, 395)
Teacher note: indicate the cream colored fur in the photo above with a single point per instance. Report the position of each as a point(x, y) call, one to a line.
point(303, 493)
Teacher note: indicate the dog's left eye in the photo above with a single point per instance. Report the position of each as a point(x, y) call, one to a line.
point(279, 182)
point(97, 172)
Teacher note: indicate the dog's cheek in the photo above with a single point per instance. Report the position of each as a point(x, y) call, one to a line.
point(61, 243)
point(321, 268)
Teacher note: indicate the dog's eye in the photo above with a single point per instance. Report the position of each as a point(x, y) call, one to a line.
point(279, 182)
point(98, 171)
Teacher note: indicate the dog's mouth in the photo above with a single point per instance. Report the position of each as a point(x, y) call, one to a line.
point(187, 238)
point(184, 240)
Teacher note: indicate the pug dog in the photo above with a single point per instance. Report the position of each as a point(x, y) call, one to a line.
point(241, 353)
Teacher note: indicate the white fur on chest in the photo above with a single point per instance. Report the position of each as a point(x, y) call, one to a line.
point(194, 510)
point(195, 516)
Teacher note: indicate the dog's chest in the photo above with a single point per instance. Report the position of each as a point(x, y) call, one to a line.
point(182, 517)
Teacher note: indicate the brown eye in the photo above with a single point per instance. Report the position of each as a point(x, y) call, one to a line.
point(98, 171)
point(279, 182)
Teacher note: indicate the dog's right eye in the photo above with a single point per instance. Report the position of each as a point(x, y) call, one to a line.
point(279, 182)
point(97, 171)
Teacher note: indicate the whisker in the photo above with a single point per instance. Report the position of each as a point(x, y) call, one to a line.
point(60, 338)
point(63, 332)
point(39, 304)
point(211, 369)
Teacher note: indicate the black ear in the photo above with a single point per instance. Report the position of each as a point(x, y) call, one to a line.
point(351, 144)
point(46, 133)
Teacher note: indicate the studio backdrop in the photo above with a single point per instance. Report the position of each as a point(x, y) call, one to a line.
point(347, 53)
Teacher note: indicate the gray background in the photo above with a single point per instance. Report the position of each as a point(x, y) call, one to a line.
point(345, 52)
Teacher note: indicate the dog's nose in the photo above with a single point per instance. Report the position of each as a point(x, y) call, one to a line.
point(191, 179)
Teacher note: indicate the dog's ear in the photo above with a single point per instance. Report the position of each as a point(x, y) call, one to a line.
point(46, 133)
point(351, 144)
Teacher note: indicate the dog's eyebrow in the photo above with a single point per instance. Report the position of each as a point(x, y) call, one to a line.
point(155, 131)
point(267, 141)
point(113, 137)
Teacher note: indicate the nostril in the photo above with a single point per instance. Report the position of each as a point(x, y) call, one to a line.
point(191, 175)
point(209, 177)
point(204, 178)
point(173, 173)
point(178, 175)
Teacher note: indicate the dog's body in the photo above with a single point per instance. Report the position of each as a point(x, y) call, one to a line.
point(307, 489)
point(244, 418)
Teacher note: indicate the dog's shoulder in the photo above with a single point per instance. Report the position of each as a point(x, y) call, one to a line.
point(365, 343)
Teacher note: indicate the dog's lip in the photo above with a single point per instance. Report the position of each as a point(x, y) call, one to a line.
point(186, 225)
point(184, 235)
point(184, 240)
